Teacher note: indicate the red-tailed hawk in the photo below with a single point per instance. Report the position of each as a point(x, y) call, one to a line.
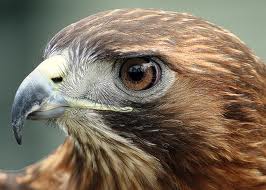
point(149, 99)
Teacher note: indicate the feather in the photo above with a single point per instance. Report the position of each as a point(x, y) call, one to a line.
point(207, 132)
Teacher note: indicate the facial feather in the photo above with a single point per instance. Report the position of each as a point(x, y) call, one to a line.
point(210, 114)
point(201, 127)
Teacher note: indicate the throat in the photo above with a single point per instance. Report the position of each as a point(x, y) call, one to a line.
point(108, 161)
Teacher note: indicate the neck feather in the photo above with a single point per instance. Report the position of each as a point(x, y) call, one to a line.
point(108, 161)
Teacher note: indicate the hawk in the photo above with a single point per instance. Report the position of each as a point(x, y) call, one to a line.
point(148, 99)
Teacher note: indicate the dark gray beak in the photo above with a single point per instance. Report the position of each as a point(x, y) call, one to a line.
point(35, 99)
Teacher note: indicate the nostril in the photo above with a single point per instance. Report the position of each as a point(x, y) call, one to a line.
point(57, 79)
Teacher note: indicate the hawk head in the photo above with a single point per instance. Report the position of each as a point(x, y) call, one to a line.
point(152, 99)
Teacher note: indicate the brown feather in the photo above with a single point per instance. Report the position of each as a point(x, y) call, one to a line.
point(212, 120)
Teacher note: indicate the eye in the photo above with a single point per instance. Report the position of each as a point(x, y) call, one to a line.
point(139, 73)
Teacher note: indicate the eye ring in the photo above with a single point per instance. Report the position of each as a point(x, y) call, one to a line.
point(139, 74)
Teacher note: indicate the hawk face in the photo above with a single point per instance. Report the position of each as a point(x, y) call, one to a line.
point(157, 92)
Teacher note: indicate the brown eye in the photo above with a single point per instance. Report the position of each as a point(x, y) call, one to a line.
point(140, 73)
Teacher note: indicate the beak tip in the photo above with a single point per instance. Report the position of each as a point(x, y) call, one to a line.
point(18, 137)
point(18, 132)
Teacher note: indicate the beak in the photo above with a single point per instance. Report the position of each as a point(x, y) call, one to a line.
point(35, 99)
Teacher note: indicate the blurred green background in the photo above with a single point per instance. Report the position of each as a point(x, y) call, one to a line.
point(27, 25)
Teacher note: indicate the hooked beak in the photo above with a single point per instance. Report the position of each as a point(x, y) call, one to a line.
point(36, 99)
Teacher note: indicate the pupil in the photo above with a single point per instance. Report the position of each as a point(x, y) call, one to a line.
point(136, 72)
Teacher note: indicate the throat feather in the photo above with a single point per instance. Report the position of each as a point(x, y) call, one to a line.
point(108, 161)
